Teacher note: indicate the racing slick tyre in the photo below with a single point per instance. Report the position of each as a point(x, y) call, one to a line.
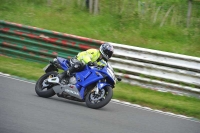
point(43, 88)
point(99, 100)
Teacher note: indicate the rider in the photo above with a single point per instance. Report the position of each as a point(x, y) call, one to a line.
point(91, 57)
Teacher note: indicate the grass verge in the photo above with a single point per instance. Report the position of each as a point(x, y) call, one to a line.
point(188, 106)
point(128, 27)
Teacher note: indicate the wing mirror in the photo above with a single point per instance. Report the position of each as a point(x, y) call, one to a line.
point(119, 78)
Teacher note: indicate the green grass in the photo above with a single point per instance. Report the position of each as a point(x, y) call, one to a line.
point(128, 27)
point(157, 100)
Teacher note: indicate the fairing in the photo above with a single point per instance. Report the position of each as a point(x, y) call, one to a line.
point(89, 75)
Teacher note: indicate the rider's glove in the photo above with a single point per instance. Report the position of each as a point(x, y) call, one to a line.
point(92, 63)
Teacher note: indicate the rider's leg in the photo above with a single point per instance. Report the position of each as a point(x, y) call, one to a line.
point(66, 73)
point(78, 66)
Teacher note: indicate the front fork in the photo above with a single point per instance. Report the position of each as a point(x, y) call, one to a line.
point(100, 86)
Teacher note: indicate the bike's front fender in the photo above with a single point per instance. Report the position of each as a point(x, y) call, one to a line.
point(102, 85)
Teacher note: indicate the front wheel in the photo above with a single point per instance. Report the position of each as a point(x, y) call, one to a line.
point(99, 100)
point(43, 88)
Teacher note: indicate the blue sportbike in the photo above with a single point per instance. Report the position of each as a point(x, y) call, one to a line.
point(93, 85)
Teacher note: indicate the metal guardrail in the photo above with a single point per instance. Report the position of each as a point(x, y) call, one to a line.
point(153, 69)
point(38, 44)
point(158, 70)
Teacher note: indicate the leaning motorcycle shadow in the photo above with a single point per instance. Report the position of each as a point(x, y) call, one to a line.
point(80, 104)
point(74, 103)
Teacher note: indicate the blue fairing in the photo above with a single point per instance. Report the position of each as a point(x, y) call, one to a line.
point(109, 78)
point(63, 62)
point(102, 85)
point(89, 76)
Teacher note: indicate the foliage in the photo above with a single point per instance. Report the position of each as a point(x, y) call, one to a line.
point(130, 22)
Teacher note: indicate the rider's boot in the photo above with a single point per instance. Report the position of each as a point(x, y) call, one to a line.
point(63, 75)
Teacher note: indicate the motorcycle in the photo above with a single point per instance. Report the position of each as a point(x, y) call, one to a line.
point(93, 85)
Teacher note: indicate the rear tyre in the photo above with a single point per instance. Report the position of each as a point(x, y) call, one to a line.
point(97, 101)
point(43, 88)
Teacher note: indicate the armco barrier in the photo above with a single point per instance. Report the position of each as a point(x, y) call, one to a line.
point(38, 44)
point(158, 70)
point(153, 69)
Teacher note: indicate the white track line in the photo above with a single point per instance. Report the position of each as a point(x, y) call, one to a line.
point(9, 76)
point(153, 110)
point(123, 103)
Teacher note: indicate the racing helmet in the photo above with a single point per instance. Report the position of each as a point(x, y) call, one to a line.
point(106, 50)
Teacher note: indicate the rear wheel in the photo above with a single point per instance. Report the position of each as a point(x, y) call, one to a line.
point(43, 88)
point(99, 100)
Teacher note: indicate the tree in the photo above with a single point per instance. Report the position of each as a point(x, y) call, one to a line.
point(93, 6)
point(189, 12)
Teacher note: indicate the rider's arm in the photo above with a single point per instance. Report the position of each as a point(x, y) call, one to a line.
point(101, 63)
point(84, 57)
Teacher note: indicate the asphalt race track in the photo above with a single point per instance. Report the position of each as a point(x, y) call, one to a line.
point(22, 111)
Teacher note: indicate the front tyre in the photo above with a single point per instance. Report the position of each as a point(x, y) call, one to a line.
point(43, 88)
point(97, 101)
